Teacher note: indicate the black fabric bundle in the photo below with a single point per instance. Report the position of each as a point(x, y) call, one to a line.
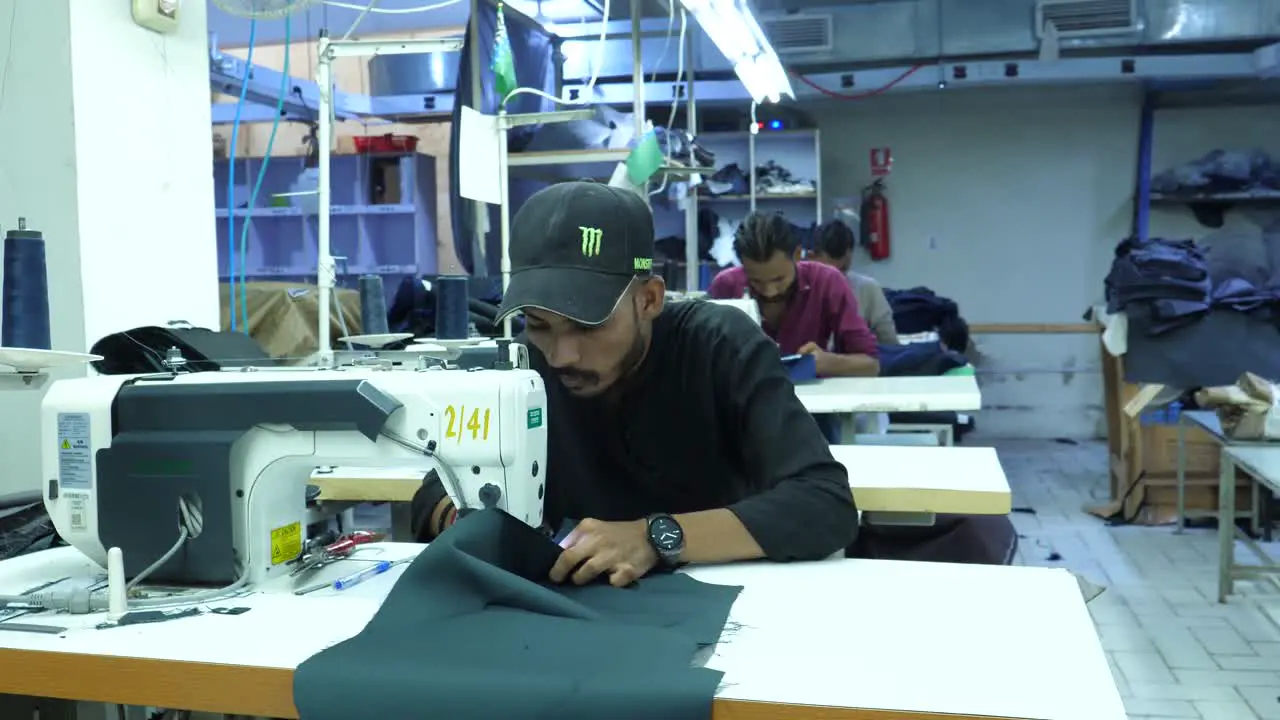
point(473, 630)
point(1168, 279)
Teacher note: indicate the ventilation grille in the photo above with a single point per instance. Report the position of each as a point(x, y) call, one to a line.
point(797, 34)
point(1084, 18)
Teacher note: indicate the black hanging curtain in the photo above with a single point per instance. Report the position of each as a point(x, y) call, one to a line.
point(533, 51)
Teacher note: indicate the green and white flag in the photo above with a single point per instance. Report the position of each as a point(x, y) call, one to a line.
point(504, 65)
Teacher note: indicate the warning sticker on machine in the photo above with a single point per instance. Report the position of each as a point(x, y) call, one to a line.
point(286, 543)
point(535, 418)
point(79, 504)
point(75, 470)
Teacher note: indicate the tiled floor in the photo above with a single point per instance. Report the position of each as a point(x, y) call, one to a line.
point(1175, 652)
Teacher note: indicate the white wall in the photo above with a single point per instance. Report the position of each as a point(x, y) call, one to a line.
point(1010, 202)
point(105, 148)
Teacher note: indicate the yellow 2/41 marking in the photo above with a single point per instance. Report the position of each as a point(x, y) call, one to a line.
point(459, 424)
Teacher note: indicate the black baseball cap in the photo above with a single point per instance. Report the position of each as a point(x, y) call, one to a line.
point(575, 247)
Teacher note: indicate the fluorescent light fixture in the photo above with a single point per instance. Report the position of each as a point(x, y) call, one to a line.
point(733, 28)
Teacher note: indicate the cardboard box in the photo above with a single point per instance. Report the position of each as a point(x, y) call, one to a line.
point(1160, 450)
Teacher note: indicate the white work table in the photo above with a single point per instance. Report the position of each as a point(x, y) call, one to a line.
point(957, 393)
point(907, 479)
point(1262, 463)
point(899, 479)
point(840, 640)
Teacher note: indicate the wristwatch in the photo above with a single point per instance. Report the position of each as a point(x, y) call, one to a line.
point(667, 538)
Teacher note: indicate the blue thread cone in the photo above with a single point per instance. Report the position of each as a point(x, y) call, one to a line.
point(24, 315)
point(453, 317)
point(373, 306)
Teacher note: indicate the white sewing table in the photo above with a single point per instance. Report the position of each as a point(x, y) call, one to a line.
point(884, 479)
point(832, 640)
point(957, 393)
point(913, 479)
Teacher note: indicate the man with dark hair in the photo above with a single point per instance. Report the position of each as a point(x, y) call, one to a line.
point(728, 467)
point(834, 247)
point(805, 307)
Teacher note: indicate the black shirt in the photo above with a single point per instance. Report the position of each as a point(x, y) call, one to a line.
point(709, 420)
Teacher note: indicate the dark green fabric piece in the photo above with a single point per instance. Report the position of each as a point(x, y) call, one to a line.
point(473, 631)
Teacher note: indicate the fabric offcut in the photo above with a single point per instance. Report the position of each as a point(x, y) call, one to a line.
point(473, 631)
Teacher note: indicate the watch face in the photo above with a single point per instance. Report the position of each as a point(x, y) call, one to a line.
point(666, 533)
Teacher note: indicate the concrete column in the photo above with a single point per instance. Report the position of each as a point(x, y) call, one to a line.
point(105, 148)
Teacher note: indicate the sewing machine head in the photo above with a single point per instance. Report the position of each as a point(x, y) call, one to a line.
point(130, 461)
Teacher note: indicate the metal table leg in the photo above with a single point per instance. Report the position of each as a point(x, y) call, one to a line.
point(1226, 525)
point(1182, 475)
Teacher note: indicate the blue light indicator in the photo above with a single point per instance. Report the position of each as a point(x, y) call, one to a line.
point(775, 124)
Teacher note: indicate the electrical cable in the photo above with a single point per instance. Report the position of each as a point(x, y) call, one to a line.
point(359, 19)
point(83, 600)
point(666, 41)
point(257, 186)
point(857, 96)
point(391, 11)
point(190, 526)
point(231, 171)
point(675, 97)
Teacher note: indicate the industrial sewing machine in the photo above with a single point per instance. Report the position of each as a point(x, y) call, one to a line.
point(223, 458)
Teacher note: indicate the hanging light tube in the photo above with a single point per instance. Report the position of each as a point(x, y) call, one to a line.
point(732, 26)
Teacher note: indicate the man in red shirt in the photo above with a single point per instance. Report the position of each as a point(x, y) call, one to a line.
point(806, 307)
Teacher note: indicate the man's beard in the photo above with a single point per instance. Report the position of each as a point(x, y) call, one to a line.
point(781, 297)
point(586, 381)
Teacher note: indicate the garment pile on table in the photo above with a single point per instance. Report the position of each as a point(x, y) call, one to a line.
point(920, 310)
point(944, 340)
point(1169, 279)
point(1184, 301)
point(1173, 283)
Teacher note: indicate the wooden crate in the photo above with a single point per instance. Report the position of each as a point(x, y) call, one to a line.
point(1143, 461)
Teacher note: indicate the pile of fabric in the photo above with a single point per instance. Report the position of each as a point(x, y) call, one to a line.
point(1167, 279)
point(1247, 410)
point(1181, 302)
point(919, 310)
point(1210, 184)
point(1218, 172)
point(25, 527)
point(769, 178)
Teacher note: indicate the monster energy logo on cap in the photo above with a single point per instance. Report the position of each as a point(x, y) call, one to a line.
point(591, 238)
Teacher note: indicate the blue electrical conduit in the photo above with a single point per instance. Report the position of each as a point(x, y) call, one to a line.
point(231, 174)
point(257, 186)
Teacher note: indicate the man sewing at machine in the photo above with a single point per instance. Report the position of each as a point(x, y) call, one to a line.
point(806, 307)
point(728, 467)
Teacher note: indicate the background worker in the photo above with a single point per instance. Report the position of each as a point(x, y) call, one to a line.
point(806, 307)
point(834, 246)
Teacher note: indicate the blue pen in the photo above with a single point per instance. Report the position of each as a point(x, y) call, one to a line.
point(358, 577)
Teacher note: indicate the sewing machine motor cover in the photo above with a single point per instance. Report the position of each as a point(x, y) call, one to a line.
point(119, 451)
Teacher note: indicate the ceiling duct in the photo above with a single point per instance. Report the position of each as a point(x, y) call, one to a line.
point(799, 34)
point(1085, 18)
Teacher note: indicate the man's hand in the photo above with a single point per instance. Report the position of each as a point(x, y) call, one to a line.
point(823, 361)
point(620, 550)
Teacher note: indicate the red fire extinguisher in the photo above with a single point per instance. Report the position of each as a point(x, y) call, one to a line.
point(875, 221)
